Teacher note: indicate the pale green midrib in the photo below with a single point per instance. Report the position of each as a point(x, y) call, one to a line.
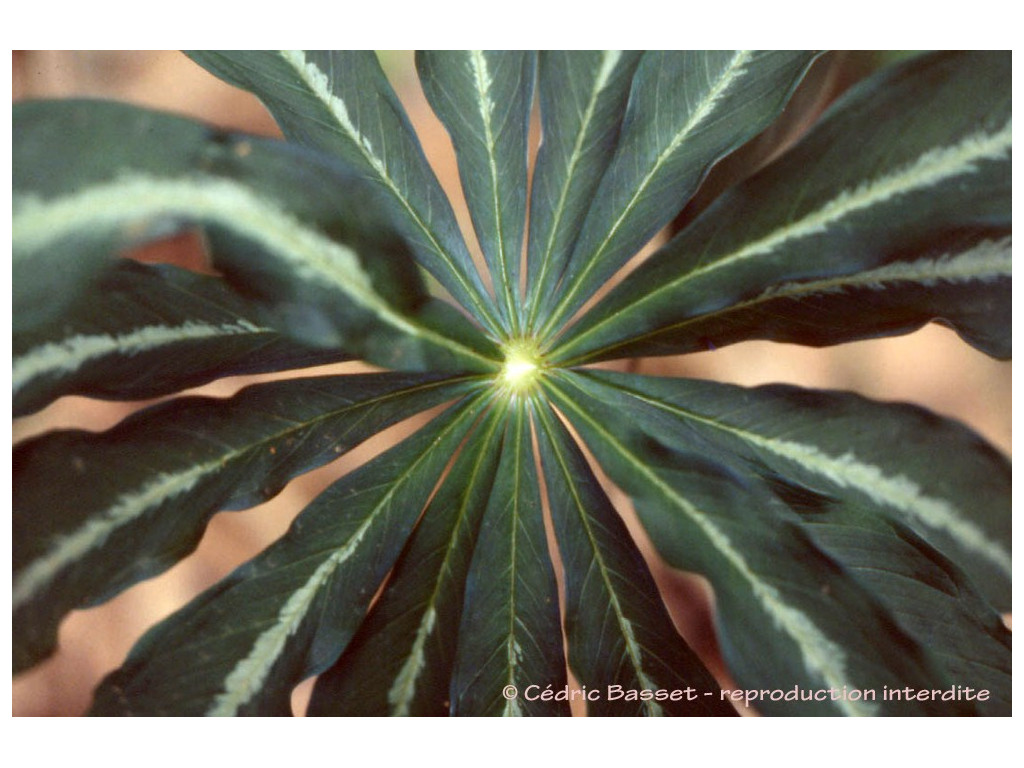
point(45, 568)
point(336, 107)
point(696, 117)
point(608, 62)
point(482, 81)
point(239, 685)
point(70, 548)
point(821, 661)
point(135, 198)
point(910, 178)
point(988, 260)
point(985, 261)
point(403, 689)
point(72, 352)
point(831, 467)
point(512, 706)
point(625, 626)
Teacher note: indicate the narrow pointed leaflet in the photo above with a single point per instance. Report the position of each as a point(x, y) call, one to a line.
point(286, 225)
point(883, 489)
point(157, 478)
point(340, 102)
point(687, 109)
point(618, 631)
point(510, 634)
point(243, 645)
point(160, 329)
point(789, 617)
point(929, 474)
point(583, 97)
point(484, 99)
point(893, 211)
point(400, 662)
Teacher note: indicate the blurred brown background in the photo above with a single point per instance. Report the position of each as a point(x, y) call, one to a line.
point(931, 367)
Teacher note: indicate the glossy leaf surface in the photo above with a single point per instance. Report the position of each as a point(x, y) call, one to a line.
point(583, 96)
point(400, 662)
point(160, 329)
point(478, 566)
point(509, 633)
point(618, 631)
point(484, 100)
point(924, 472)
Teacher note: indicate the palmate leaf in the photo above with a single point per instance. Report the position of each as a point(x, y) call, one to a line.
point(893, 211)
point(144, 508)
point(851, 546)
point(272, 213)
point(241, 647)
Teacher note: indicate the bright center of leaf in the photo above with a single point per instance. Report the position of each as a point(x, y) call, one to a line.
point(521, 367)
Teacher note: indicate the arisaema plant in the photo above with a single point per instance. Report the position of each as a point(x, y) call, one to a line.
point(852, 546)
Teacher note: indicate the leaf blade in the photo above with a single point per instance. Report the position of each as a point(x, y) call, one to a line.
point(883, 546)
point(340, 102)
point(686, 110)
point(582, 96)
point(928, 595)
point(618, 632)
point(159, 330)
point(484, 99)
point(921, 213)
point(271, 212)
point(240, 647)
point(928, 474)
point(400, 662)
point(510, 633)
point(171, 476)
point(702, 516)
